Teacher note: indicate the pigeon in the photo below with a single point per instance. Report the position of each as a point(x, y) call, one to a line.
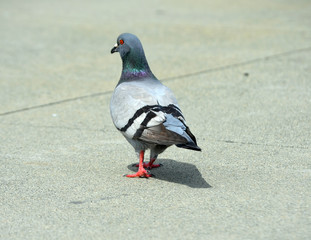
point(144, 110)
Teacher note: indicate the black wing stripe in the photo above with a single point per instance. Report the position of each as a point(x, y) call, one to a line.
point(143, 125)
point(170, 109)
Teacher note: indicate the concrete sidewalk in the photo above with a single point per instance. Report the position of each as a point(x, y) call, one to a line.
point(242, 74)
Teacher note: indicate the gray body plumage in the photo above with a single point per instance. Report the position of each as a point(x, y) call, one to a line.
point(142, 108)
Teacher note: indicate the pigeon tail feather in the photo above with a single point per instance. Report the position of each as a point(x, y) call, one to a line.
point(190, 146)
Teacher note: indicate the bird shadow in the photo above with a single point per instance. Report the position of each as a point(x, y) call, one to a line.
point(177, 172)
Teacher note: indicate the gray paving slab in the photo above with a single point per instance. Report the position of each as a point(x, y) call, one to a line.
point(241, 73)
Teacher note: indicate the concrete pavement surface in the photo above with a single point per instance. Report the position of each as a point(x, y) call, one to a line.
point(242, 74)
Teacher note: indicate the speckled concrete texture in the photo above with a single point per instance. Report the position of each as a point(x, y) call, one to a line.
point(241, 72)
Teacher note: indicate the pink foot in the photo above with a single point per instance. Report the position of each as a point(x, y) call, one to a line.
point(149, 165)
point(141, 173)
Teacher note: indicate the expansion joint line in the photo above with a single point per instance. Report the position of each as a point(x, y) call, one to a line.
point(230, 66)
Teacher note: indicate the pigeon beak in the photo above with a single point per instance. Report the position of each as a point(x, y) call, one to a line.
point(114, 49)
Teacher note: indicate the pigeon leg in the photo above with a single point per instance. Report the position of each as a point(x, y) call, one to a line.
point(150, 164)
point(142, 172)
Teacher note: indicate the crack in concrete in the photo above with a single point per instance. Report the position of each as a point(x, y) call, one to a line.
point(230, 66)
point(106, 198)
point(262, 144)
point(55, 103)
point(104, 130)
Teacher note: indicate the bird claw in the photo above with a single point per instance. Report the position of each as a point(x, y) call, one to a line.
point(148, 165)
point(142, 173)
point(154, 166)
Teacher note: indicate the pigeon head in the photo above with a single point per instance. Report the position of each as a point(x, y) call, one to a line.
point(133, 57)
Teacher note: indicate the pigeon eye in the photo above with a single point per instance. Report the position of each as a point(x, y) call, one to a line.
point(121, 41)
